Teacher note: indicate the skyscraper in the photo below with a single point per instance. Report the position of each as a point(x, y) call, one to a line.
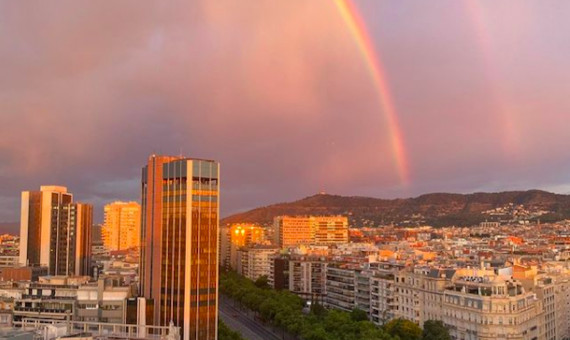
point(122, 226)
point(179, 247)
point(55, 232)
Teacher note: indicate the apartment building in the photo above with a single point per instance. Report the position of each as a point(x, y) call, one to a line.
point(307, 276)
point(291, 231)
point(103, 301)
point(340, 287)
point(279, 273)
point(50, 298)
point(419, 293)
point(382, 297)
point(60, 298)
point(256, 261)
point(236, 236)
point(481, 304)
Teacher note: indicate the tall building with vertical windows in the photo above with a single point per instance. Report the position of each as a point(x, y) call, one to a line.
point(55, 232)
point(122, 226)
point(179, 247)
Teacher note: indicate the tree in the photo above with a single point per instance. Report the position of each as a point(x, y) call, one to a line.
point(358, 315)
point(318, 310)
point(404, 329)
point(225, 333)
point(435, 330)
point(262, 282)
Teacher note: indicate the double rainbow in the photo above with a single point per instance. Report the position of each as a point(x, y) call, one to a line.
point(373, 62)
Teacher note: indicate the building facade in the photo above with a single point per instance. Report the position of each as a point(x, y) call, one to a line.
point(307, 277)
point(256, 261)
point(291, 231)
point(179, 249)
point(55, 232)
point(121, 229)
point(236, 236)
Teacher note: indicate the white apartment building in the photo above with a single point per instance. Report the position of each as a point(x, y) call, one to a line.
point(340, 287)
point(256, 261)
point(481, 304)
point(307, 276)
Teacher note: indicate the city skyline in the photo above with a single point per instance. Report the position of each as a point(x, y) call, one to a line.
point(383, 100)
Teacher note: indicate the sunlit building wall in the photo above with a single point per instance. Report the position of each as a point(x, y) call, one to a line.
point(329, 229)
point(290, 231)
point(122, 226)
point(179, 249)
point(236, 236)
point(55, 232)
point(243, 235)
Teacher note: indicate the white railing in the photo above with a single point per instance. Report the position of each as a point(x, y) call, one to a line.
point(99, 329)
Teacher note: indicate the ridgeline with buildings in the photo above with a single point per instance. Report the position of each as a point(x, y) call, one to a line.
point(437, 209)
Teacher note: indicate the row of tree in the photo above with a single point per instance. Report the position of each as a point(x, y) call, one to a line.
point(225, 333)
point(285, 310)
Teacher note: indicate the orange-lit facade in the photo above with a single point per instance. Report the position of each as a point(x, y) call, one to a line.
point(55, 232)
point(330, 229)
point(243, 235)
point(292, 231)
point(179, 247)
point(122, 226)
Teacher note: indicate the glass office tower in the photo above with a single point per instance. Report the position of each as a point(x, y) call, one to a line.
point(179, 243)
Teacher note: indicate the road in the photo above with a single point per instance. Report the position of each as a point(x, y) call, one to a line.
point(239, 321)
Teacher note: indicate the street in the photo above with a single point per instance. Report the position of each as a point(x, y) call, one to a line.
point(239, 321)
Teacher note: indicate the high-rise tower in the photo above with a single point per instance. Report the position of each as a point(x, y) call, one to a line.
point(55, 232)
point(179, 243)
point(122, 226)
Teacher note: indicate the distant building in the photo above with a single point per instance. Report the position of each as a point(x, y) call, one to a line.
point(73, 298)
point(307, 276)
point(236, 236)
point(291, 231)
point(55, 232)
point(256, 261)
point(18, 273)
point(122, 226)
point(279, 273)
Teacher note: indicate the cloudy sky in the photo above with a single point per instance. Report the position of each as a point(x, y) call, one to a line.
point(280, 93)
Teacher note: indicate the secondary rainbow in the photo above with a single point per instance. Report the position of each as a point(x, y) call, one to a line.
point(358, 31)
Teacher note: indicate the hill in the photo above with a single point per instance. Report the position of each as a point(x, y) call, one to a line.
point(437, 209)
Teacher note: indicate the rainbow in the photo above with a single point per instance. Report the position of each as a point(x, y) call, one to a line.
point(358, 31)
point(493, 75)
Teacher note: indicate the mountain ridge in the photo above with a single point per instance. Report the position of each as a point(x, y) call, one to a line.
point(437, 209)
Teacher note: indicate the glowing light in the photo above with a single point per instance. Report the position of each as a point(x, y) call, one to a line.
point(358, 31)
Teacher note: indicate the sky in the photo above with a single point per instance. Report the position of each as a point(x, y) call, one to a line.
point(284, 96)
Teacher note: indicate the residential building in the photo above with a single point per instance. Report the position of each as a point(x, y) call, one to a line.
point(329, 229)
point(340, 287)
point(55, 232)
point(482, 304)
point(51, 298)
point(291, 231)
point(255, 261)
point(236, 236)
point(103, 301)
point(307, 276)
point(121, 229)
point(19, 273)
point(279, 273)
point(179, 250)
